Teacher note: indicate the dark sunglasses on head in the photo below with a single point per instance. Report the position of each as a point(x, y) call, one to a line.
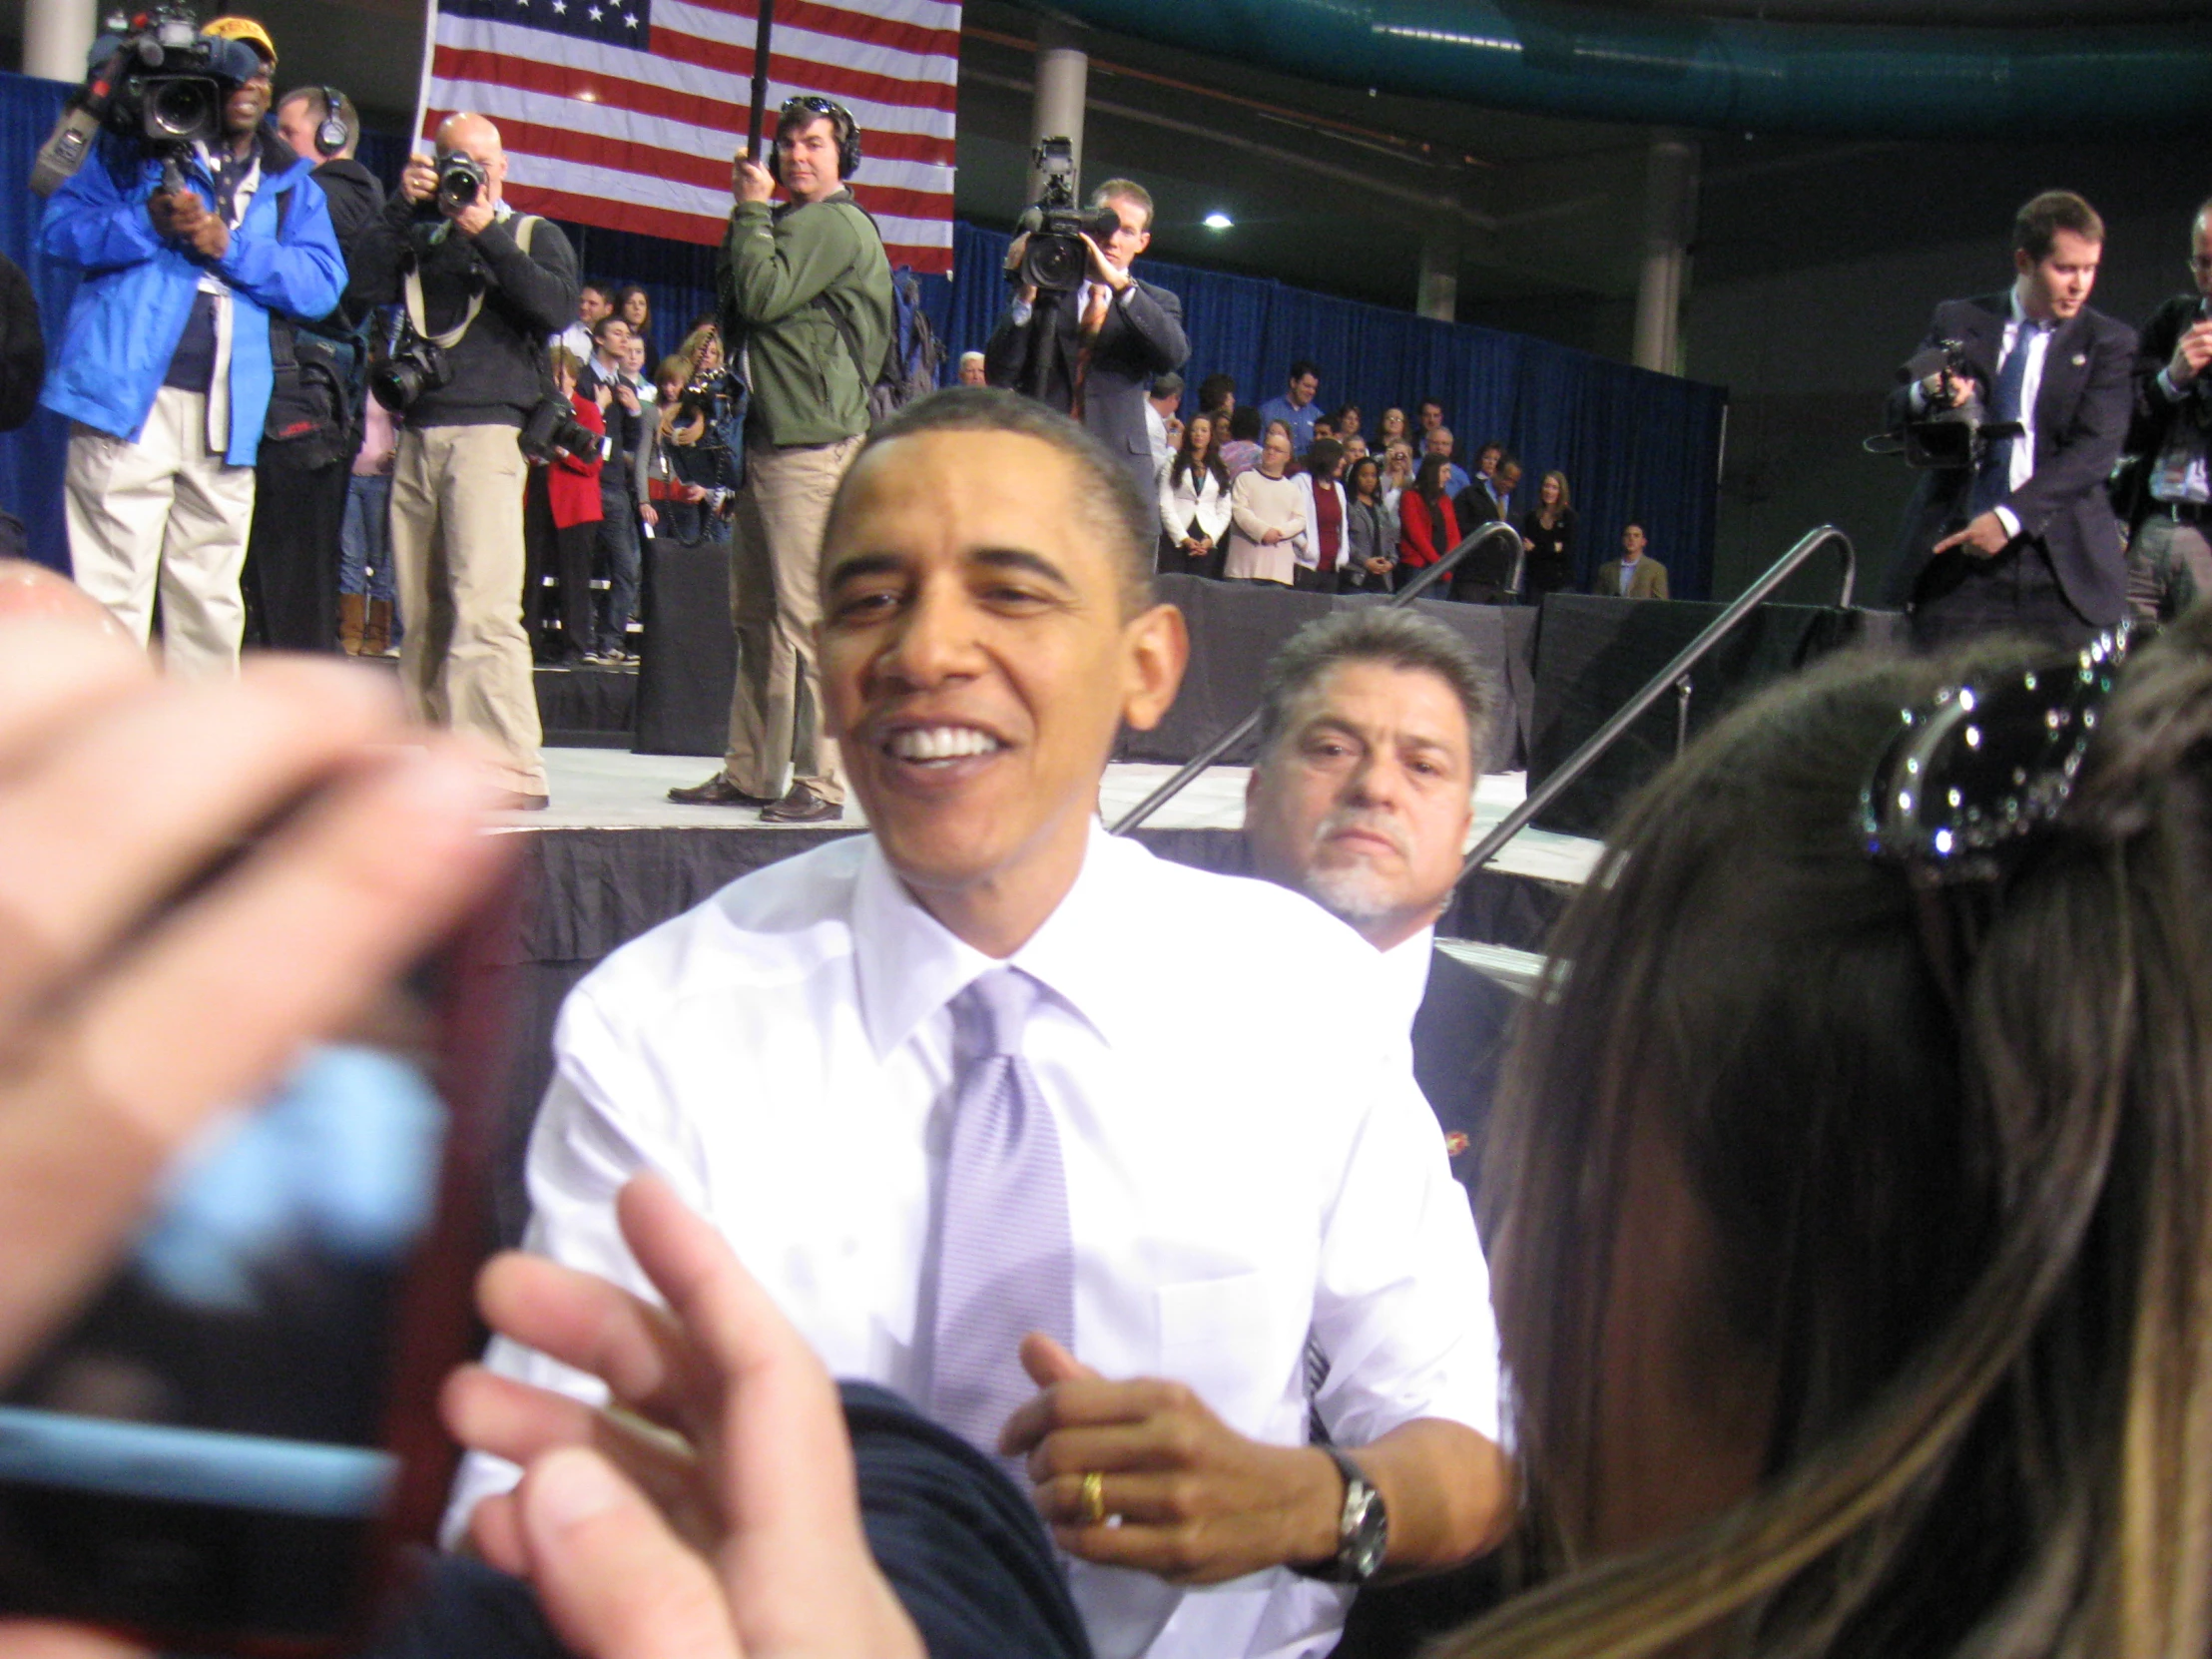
point(1971, 779)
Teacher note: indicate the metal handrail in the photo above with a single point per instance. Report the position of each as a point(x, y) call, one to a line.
point(1221, 746)
point(1575, 765)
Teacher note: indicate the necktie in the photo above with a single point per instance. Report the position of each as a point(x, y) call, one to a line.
point(1005, 1266)
point(1992, 479)
point(1096, 299)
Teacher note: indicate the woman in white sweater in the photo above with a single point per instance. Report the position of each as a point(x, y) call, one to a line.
point(1266, 516)
point(1194, 503)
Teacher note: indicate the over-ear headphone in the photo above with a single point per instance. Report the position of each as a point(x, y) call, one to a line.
point(805, 108)
point(329, 134)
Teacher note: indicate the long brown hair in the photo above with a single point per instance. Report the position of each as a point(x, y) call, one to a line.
point(1947, 1208)
point(1181, 467)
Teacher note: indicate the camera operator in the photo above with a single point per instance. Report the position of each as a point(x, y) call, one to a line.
point(1093, 347)
point(805, 298)
point(487, 288)
point(315, 411)
point(165, 365)
point(2021, 535)
point(2167, 493)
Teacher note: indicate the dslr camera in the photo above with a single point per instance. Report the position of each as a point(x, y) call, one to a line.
point(553, 431)
point(408, 367)
point(156, 80)
point(1054, 260)
point(462, 179)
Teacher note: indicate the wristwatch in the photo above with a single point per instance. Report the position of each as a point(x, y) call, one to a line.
point(1362, 1529)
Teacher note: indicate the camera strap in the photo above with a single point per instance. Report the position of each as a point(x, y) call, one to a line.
point(412, 288)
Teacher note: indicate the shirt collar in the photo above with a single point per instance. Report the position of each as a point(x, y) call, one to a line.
point(1405, 970)
point(911, 965)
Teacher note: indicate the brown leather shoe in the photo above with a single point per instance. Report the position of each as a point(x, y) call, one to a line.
point(803, 806)
point(718, 790)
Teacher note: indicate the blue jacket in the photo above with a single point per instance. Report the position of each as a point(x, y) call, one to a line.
point(131, 310)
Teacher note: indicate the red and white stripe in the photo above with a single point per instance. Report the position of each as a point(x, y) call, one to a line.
point(641, 140)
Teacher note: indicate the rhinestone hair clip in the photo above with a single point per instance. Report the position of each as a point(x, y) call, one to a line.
point(1970, 779)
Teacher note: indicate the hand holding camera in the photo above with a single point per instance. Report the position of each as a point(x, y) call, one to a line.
point(455, 185)
point(194, 223)
point(2191, 353)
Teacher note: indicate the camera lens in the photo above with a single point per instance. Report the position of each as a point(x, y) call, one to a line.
point(179, 109)
point(1055, 263)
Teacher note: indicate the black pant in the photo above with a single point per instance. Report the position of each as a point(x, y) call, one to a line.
point(1959, 597)
point(291, 554)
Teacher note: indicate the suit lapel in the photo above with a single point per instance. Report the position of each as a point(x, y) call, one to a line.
point(2062, 377)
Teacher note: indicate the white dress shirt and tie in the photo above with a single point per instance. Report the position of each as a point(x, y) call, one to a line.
point(824, 1071)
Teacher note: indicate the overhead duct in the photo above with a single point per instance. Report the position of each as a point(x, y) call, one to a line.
point(1717, 74)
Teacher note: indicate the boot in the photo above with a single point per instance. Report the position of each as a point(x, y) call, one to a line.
point(350, 610)
point(376, 633)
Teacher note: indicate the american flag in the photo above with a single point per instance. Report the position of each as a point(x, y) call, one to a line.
point(623, 114)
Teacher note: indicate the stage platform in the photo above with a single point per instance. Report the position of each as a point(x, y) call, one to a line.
point(613, 856)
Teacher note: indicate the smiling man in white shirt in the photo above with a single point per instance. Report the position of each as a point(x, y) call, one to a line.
point(1228, 1182)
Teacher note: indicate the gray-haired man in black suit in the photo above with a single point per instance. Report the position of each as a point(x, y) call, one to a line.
point(2024, 538)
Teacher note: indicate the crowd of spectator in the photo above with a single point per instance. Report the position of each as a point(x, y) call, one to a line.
point(1296, 494)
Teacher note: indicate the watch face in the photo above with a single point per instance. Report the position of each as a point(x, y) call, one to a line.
point(1363, 1549)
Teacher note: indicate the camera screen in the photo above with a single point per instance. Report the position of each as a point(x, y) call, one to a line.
point(202, 1451)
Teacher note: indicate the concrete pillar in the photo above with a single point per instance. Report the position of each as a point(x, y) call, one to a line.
point(1063, 81)
point(55, 36)
point(1439, 279)
point(1670, 224)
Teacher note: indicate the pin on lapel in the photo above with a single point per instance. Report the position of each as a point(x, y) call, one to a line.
point(2080, 359)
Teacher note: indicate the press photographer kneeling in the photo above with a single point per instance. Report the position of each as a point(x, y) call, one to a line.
point(482, 288)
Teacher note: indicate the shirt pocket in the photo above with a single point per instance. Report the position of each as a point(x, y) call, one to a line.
point(1215, 1335)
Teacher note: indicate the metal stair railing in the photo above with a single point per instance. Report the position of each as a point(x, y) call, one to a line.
point(1675, 676)
point(1221, 746)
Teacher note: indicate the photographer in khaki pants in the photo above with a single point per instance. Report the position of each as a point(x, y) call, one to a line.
point(806, 296)
point(457, 487)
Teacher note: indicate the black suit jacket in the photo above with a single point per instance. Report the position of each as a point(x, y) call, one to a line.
point(2155, 413)
point(2082, 417)
point(1141, 337)
point(1458, 1043)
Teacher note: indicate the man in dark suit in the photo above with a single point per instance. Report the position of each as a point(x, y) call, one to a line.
point(1373, 728)
point(2024, 537)
point(1094, 350)
point(2167, 493)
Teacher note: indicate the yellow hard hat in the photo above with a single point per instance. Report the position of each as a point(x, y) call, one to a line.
point(246, 29)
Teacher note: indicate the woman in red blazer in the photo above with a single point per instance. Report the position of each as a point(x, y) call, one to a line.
point(572, 485)
point(1427, 528)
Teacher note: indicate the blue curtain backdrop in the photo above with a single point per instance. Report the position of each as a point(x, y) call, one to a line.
point(1633, 444)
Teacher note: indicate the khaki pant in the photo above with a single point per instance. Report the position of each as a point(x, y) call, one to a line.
point(457, 545)
point(165, 509)
point(2169, 567)
point(775, 604)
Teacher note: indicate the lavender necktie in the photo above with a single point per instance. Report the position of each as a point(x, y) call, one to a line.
point(1005, 1266)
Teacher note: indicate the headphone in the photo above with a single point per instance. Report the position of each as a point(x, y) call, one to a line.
point(329, 134)
point(841, 119)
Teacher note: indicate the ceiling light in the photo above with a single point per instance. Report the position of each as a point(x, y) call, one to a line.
point(1218, 221)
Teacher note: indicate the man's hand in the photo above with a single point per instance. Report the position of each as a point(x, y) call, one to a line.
point(2191, 353)
point(160, 208)
point(1985, 538)
point(750, 1541)
point(627, 396)
point(750, 182)
point(602, 394)
point(1379, 567)
point(199, 228)
point(1198, 1503)
point(650, 513)
point(418, 180)
point(1102, 269)
point(473, 218)
point(1946, 391)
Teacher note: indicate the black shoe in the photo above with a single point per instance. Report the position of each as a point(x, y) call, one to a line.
point(803, 806)
point(718, 790)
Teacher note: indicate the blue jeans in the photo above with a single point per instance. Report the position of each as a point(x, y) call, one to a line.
point(622, 557)
point(364, 537)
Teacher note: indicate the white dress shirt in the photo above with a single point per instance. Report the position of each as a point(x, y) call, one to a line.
point(1240, 1172)
point(1406, 971)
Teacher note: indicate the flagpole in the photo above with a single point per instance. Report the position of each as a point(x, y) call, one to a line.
point(422, 81)
point(760, 81)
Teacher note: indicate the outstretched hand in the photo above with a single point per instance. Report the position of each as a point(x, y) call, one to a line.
point(709, 1512)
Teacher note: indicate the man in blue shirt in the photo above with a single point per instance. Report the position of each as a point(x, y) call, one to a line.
point(1296, 408)
point(165, 362)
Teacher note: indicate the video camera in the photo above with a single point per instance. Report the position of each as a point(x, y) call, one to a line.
point(158, 80)
point(1946, 435)
point(1054, 260)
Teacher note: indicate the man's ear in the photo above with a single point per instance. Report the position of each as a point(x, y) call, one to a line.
point(1156, 650)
